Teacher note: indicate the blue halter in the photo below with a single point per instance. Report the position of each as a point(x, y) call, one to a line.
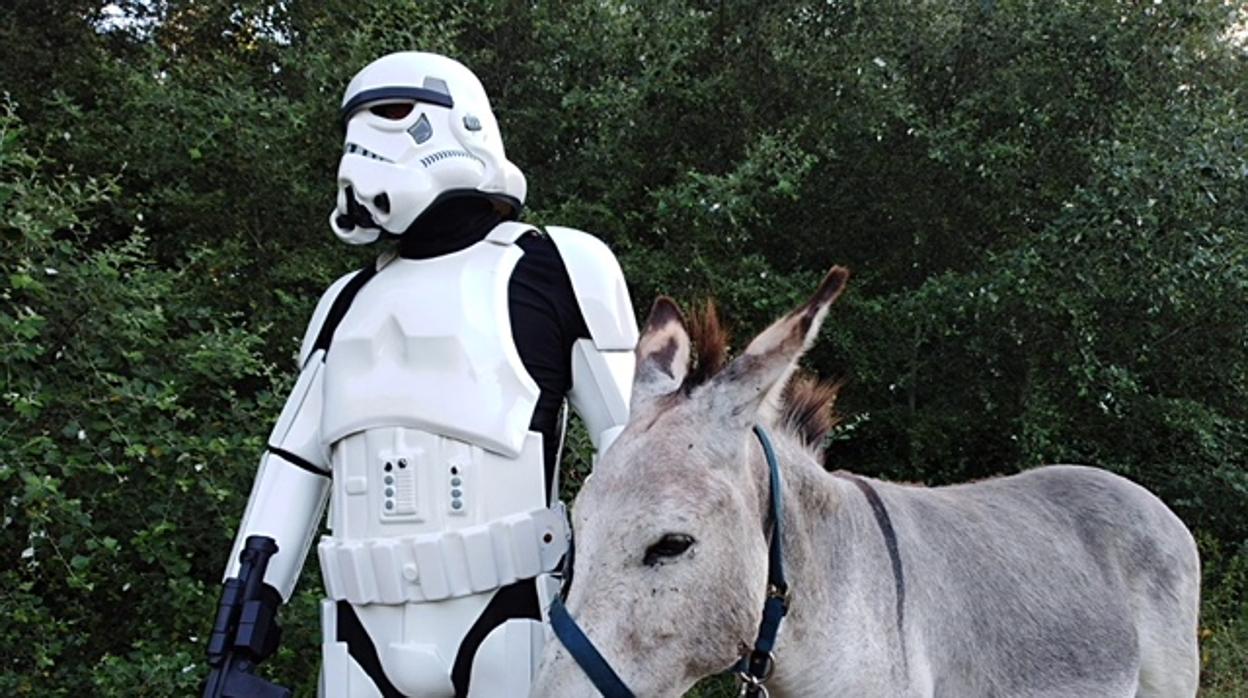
point(753, 669)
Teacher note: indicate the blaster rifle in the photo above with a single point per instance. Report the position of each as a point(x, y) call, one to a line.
point(246, 629)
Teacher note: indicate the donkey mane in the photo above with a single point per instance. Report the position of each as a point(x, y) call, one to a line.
point(807, 405)
point(709, 339)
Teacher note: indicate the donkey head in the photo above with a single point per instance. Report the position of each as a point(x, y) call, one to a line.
point(671, 556)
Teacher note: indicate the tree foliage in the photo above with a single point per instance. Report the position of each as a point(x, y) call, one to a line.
point(1045, 205)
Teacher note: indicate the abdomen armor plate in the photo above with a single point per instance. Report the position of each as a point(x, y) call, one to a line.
point(428, 345)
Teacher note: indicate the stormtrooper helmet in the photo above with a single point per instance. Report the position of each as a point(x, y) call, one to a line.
point(418, 129)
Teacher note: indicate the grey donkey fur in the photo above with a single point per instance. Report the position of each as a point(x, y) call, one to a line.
point(1060, 582)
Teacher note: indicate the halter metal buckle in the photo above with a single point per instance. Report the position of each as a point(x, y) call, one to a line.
point(751, 683)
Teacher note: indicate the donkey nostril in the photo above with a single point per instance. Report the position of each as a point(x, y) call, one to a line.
point(344, 222)
point(382, 202)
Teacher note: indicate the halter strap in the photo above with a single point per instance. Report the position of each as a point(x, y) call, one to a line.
point(586, 655)
point(755, 668)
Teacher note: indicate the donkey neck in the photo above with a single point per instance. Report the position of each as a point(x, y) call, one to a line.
point(840, 579)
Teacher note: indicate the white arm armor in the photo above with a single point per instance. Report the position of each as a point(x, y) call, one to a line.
point(602, 366)
point(292, 482)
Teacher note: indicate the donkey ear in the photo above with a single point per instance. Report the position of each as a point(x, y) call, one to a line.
point(662, 353)
point(754, 380)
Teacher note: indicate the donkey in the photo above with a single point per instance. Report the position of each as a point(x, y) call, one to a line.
point(1059, 582)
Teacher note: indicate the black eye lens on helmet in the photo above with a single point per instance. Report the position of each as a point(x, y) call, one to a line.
point(394, 111)
point(669, 546)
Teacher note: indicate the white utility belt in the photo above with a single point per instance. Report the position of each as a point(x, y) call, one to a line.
point(446, 564)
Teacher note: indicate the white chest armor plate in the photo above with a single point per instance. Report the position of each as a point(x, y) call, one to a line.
point(427, 344)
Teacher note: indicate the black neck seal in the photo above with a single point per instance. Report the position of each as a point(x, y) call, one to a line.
point(448, 226)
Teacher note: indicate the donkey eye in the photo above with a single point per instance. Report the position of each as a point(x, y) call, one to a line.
point(670, 545)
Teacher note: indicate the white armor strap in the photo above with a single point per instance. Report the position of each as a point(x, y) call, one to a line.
point(447, 564)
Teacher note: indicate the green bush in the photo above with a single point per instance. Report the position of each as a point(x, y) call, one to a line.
point(1224, 619)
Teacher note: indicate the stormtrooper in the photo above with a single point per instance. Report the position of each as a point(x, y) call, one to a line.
point(429, 410)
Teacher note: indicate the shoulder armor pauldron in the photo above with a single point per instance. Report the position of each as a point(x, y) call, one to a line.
point(599, 286)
